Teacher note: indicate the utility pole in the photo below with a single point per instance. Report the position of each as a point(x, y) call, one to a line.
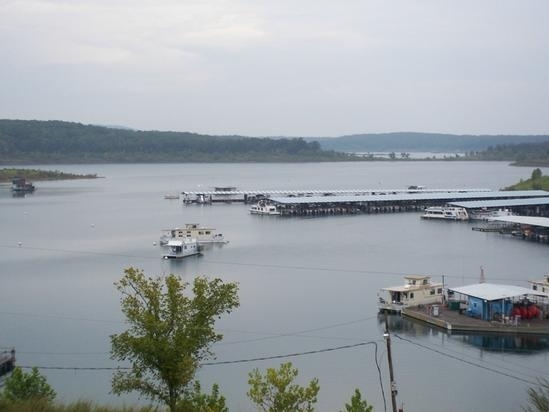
point(394, 391)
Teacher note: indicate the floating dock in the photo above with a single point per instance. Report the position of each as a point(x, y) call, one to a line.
point(454, 321)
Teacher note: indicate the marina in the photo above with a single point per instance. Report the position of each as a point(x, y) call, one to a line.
point(344, 202)
point(485, 307)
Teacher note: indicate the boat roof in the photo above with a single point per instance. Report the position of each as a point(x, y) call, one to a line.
point(478, 204)
point(491, 291)
point(524, 220)
point(392, 197)
point(417, 277)
point(180, 242)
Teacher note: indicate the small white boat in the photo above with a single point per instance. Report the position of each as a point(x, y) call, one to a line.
point(192, 231)
point(263, 208)
point(180, 248)
point(487, 214)
point(445, 213)
point(417, 290)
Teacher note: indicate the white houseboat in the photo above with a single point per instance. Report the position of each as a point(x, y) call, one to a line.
point(192, 231)
point(540, 285)
point(180, 248)
point(417, 290)
point(445, 213)
point(263, 208)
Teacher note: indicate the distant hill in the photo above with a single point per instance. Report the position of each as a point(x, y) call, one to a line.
point(47, 142)
point(421, 142)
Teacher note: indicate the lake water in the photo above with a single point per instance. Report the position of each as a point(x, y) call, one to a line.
point(306, 284)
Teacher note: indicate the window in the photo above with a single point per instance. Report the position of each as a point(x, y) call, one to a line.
point(411, 295)
point(432, 291)
point(535, 287)
point(439, 291)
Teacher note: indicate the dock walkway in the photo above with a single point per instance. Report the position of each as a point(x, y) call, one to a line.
point(454, 321)
point(7, 361)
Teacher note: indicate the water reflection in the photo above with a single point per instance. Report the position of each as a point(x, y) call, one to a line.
point(490, 342)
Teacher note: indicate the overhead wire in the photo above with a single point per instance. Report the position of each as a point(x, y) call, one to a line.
point(249, 264)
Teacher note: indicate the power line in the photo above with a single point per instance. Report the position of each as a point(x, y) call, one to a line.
point(262, 265)
point(466, 361)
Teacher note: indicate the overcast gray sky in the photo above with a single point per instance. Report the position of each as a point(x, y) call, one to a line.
point(279, 67)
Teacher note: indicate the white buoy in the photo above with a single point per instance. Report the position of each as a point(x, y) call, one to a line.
point(154, 243)
point(19, 244)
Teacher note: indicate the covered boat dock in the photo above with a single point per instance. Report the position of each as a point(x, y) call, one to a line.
point(486, 307)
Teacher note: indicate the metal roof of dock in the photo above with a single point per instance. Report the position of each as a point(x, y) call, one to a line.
point(524, 220)
point(478, 204)
point(301, 192)
point(390, 197)
point(491, 291)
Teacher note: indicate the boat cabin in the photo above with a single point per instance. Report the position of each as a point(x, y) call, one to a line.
point(540, 285)
point(417, 290)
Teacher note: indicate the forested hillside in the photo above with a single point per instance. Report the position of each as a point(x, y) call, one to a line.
point(421, 142)
point(525, 154)
point(33, 142)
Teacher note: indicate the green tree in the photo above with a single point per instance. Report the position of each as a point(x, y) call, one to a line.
point(539, 397)
point(170, 333)
point(196, 401)
point(536, 174)
point(357, 404)
point(276, 392)
point(21, 386)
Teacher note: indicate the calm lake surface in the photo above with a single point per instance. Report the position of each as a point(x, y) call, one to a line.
point(306, 284)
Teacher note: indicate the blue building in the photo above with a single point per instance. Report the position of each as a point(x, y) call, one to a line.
point(489, 301)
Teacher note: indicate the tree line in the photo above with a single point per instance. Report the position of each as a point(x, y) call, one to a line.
point(32, 141)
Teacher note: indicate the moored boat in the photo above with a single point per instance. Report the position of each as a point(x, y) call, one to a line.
point(180, 248)
point(19, 184)
point(263, 208)
point(417, 290)
point(445, 213)
point(192, 231)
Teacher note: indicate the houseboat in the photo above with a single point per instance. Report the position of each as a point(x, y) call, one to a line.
point(20, 185)
point(192, 231)
point(487, 214)
point(417, 290)
point(445, 213)
point(263, 208)
point(180, 248)
point(540, 285)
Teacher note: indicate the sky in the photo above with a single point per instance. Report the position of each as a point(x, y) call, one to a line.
point(279, 67)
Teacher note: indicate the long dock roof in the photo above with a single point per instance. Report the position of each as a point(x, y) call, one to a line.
point(524, 220)
point(447, 196)
point(478, 204)
point(301, 192)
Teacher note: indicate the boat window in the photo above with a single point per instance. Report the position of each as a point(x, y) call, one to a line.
point(411, 295)
point(535, 287)
point(208, 232)
point(424, 281)
point(439, 291)
point(432, 292)
point(200, 232)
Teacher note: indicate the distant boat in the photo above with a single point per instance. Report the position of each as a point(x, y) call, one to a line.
point(445, 213)
point(171, 196)
point(180, 248)
point(417, 290)
point(19, 184)
point(487, 214)
point(192, 231)
point(263, 208)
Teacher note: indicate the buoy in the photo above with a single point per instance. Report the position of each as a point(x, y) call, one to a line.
point(154, 243)
point(92, 225)
point(19, 244)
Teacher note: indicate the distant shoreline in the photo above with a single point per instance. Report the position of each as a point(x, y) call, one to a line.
point(7, 174)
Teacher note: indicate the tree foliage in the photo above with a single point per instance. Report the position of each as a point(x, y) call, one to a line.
point(21, 386)
point(31, 141)
point(539, 397)
point(170, 332)
point(358, 404)
point(197, 401)
point(276, 391)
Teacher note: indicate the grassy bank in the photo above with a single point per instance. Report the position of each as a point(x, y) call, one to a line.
point(7, 174)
